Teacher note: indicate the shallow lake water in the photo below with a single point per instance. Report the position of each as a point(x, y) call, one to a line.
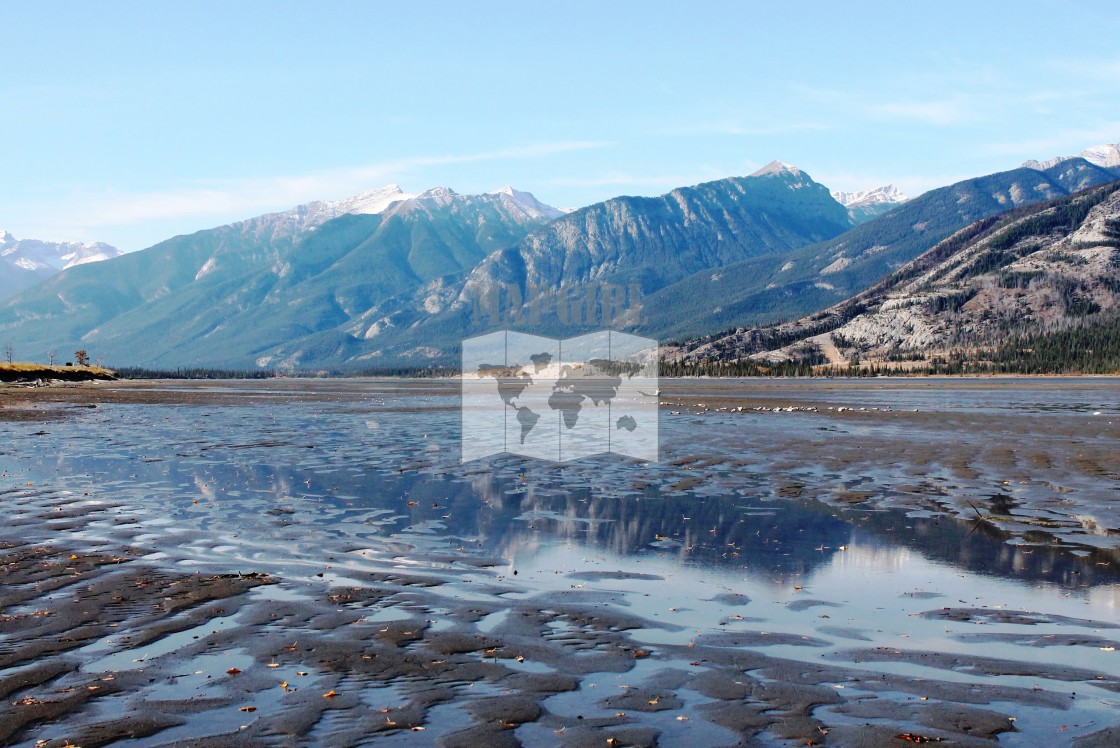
point(896, 525)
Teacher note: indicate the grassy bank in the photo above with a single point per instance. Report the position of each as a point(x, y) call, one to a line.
point(26, 372)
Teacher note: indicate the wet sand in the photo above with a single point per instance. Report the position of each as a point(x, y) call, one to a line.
point(117, 628)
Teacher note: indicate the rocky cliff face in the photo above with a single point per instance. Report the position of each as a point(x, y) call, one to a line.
point(655, 241)
point(768, 288)
point(1035, 271)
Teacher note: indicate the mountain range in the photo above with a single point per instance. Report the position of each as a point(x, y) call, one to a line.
point(25, 262)
point(234, 294)
point(776, 287)
point(1106, 156)
point(868, 204)
point(1030, 274)
point(388, 279)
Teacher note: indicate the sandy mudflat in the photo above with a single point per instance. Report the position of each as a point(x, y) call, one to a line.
point(162, 589)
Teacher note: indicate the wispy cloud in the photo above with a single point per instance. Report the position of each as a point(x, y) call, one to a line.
point(945, 112)
point(1100, 70)
point(272, 193)
point(627, 179)
point(746, 129)
point(1061, 143)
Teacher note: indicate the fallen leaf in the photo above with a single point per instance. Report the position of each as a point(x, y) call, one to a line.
point(329, 694)
point(248, 709)
point(232, 671)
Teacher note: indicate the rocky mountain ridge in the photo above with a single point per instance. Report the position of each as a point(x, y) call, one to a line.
point(1106, 156)
point(1034, 272)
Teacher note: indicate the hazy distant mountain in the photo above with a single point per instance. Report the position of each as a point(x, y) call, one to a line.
point(1106, 156)
point(775, 287)
point(1046, 270)
point(25, 262)
point(868, 204)
point(240, 294)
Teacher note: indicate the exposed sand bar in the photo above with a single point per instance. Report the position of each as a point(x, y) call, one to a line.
point(291, 563)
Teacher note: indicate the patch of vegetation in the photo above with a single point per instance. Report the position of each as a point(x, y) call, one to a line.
point(1090, 347)
point(1069, 259)
point(734, 369)
point(1076, 297)
point(136, 372)
point(1018, 278)
point(951, 302)
point(406, 372)
point(29, 372)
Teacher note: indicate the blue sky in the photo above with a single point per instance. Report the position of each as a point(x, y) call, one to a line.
point(132, 122)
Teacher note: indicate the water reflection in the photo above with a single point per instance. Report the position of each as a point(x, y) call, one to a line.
point(334, 466)
point(504, 508)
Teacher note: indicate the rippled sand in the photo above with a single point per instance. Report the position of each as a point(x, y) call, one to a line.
point(303, 562)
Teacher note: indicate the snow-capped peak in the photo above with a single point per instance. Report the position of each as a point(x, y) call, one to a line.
point(37, 255)
point(437, 193)
point(528, 202)
point(371, 201)
point(879, 196)
point(388, 200)
point(514, 201)
point(1106, 156)
point(777, 167)
point(309, 216)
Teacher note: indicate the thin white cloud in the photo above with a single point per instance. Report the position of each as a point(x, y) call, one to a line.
point(946, 112)
point(1106, 70)
point(1062, 143)
point(621, 178)
point(742, 129)
point(276, 193)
